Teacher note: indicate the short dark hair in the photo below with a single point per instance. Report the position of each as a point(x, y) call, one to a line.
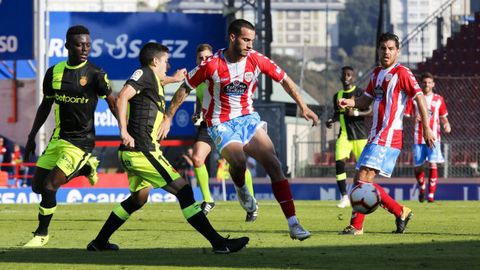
point(236, 26)
point(389, 36)
point(426, 75)
point(77, 30)
point(347, 68)
point(149, 51)
point(203, 47)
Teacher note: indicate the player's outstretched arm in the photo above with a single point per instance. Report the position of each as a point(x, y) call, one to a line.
point(42, 114)
point(178, 76)
point(305, 112)
point(177, 100)
point(427, 132)
point(125, 95)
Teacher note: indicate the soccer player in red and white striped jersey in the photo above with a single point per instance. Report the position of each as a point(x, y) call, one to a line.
point(391, 86)
point(236, 129)
point(437, 111)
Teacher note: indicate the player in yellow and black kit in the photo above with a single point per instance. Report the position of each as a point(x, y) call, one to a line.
point(353, 132)
point(142, 158)
point(74, 87)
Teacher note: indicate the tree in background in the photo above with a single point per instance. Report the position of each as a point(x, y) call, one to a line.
point(358, 24)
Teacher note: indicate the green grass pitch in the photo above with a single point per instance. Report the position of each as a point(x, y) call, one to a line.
point(442, 235)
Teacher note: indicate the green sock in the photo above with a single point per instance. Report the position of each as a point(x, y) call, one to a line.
point(202, 178)
point(249, 182)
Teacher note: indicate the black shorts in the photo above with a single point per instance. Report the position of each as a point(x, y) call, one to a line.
point(202, 134)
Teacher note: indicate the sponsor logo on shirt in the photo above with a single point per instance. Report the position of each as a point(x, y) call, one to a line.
point(68, 99)
point(235, 88)
point(378, 91)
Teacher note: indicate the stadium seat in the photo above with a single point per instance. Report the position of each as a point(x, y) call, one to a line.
point(3, 179)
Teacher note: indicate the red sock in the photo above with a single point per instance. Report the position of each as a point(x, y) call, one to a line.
point(283, 194)
point(357, 220)
point(421, 180)
point(388, 202)
point(433, 181)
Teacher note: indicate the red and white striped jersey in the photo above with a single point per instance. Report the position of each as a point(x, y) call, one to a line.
point(391, 89)
point(436, 108)
point(230, 85)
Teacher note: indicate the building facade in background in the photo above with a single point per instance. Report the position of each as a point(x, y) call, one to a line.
point(406, 15)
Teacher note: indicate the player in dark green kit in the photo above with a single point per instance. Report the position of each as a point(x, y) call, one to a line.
point(74, 87)
point(353, 132)
point(140, 154)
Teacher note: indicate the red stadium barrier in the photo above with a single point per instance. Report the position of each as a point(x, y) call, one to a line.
point(162, 143)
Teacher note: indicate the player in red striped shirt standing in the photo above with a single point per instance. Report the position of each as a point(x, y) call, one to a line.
point(236, 129)
point(437, 112)
point(391, 85)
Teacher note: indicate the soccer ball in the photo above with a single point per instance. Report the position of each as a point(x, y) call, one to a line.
point(365, 198)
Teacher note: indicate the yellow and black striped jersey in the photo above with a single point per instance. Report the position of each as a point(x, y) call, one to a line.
point(353, 126)
point(146, 109)
point(75, 90)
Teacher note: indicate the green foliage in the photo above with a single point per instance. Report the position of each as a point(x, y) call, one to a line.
point(358, 24)
point(291, 65)
point(443, 235)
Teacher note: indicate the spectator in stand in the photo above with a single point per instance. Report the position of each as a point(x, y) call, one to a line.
point(19, 169)
point(3, 151)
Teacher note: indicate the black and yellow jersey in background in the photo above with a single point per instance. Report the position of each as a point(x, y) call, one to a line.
point(354, 126)
point(75, 90)
point(146, 110)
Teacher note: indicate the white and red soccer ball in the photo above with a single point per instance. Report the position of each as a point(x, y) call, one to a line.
point(365, 198)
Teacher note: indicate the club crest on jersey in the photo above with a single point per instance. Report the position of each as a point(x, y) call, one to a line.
point(83, 80)
point(248, 76)
point(378, 91)
point(136, 75)
point(388, 77)
point(235, 88)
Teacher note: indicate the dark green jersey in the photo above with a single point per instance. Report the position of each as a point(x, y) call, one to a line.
point(75, 90)
point(146, 109)
point(354, 126)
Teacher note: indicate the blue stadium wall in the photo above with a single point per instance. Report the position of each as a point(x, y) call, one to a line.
point(457, 191)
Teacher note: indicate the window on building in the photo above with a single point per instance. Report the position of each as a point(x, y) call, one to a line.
point(293, 15)
point(293, 38)
point(293, 26)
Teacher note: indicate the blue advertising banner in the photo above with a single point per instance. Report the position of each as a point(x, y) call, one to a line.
point(86, 195)
point(16, 29)
point(460, 192)
point(118, 37)
point(107, 125)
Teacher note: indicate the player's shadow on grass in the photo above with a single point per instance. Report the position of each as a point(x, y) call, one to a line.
point(448, 255)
